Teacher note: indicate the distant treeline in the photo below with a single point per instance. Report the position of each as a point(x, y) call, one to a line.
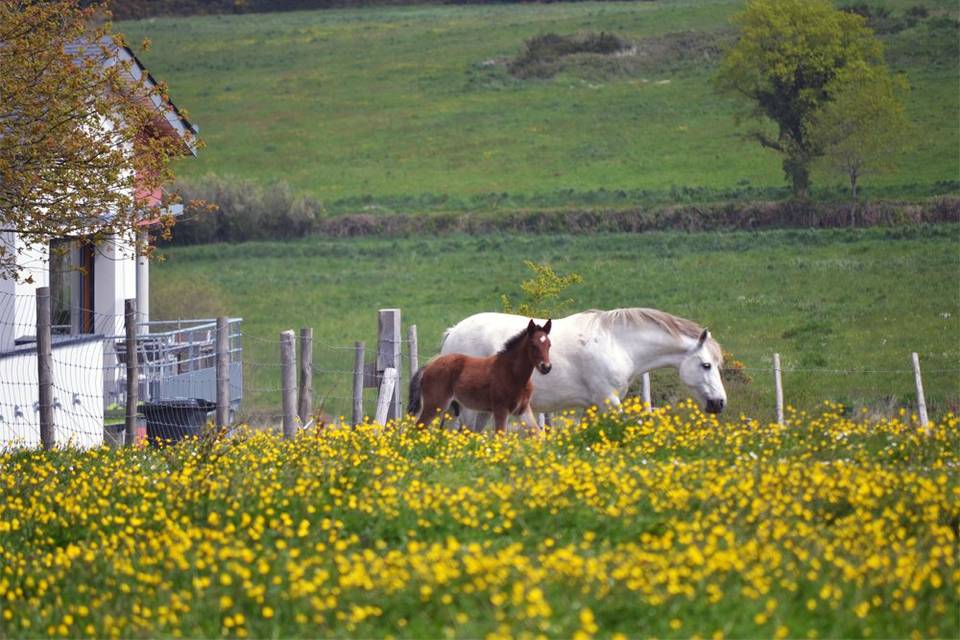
point(136, 9)
point(246, 211)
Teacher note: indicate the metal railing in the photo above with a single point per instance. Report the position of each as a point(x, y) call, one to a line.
point(177, 359)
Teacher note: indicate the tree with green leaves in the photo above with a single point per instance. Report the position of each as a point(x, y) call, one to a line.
point(543, 293)
point(786, 57)
point(864, 127)
point(87, 138)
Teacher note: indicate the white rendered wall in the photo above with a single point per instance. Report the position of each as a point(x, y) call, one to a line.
point(77, 393)
point(114, 280)
point(18, 305)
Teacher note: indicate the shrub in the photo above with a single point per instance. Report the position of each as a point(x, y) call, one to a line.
point(542, 54)
point(244, 211)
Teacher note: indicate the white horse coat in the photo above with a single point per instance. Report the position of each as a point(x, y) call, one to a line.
point(597, 354)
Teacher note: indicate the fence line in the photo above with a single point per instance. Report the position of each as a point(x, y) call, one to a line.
point(329, 388)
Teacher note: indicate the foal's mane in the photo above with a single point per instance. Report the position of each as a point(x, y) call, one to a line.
point(512, 343)
point(674, 325)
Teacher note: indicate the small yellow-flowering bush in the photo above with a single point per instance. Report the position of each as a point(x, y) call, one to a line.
point(634, 523)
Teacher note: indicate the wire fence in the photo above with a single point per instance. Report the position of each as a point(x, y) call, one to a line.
point(881, 390)
point(333, 373)
point(176, 380)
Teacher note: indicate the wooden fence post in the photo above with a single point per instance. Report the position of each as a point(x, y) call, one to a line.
point(133, 369)
point(778, 384)
point(223, 372)
point(645, 391)
point(389, 354)
point(921, 401)
point(412, 349)
point(385, 400)
point(305, 389)
point(45, 368)
point(358, 384)
point(288, 383)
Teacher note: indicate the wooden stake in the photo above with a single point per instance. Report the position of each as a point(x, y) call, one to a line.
point(288, 383)
point(779, 387)
point(413, 351)
point(305, 388)
point(133, 388)
point(385, 400)
point(389, 354)
point(921, 401)
point(45, 368)
point(223, 372)
point(358, 384)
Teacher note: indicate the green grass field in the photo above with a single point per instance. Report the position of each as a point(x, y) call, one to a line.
point(828, 301)
point(379, 107)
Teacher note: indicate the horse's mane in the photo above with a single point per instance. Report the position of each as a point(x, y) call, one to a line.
point(675, 325)
point(513, 342)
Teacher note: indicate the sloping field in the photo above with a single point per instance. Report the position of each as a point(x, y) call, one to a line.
point(386, 108)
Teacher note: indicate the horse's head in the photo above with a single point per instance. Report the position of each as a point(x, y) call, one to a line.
point(538, 345)
point(700, 371)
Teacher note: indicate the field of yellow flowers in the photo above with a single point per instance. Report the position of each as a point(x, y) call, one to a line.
point(666, 524)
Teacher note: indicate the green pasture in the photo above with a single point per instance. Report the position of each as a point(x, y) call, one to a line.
point(844, 308)
point(381, 107)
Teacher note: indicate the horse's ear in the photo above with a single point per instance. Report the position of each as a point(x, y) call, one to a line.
point(703, 338)
point(531, 327)
point(546, 327)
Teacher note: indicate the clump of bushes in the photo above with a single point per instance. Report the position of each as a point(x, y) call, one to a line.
point(543, 55)
point(883, 21)
point(243, 210)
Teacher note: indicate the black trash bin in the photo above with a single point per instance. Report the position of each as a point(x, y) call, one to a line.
point(170, 421)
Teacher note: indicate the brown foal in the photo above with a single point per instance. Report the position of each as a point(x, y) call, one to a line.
point(499, 384)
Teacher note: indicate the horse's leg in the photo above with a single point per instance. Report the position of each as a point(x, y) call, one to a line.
point(500, 416)
point(613, 399)
point(481, 420)
point(473, 420)
point(434, 404)
point(531, 421)
point(430, 412)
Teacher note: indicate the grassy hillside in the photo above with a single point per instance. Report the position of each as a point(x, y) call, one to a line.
point(374, 104)
point(844, 307)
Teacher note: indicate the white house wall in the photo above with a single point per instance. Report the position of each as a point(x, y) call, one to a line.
point(18, 304)
point(77, 393)
point(114, 280)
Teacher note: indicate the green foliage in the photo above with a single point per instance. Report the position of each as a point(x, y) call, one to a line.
point(80, 134)
point(788, 53)
point(244, 211)
point(543, 293)
point(864, 127)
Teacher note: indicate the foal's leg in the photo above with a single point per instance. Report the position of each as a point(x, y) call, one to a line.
point(500, 420)
point(434, 404)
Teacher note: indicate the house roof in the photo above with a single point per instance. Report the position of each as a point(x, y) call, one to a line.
point(171, 118)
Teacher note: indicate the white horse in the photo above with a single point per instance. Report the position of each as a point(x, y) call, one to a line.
point(597, 354)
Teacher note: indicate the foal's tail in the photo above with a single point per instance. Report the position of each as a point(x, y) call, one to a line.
point(413, 404)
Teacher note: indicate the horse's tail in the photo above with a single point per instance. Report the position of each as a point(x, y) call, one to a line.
point(443, 338)
point(413, 404)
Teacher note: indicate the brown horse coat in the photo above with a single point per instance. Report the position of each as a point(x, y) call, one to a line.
point(499, 384)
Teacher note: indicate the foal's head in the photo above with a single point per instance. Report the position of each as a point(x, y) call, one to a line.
point(538, 345)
